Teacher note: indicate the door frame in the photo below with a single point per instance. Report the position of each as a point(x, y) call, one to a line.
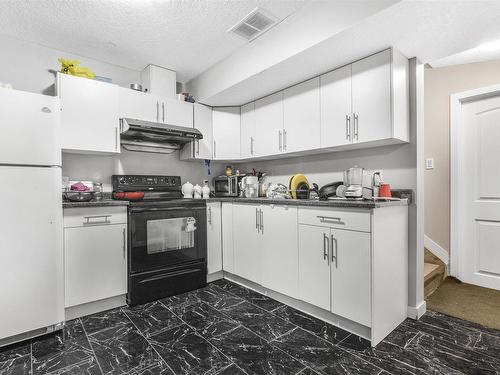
point(456, 101)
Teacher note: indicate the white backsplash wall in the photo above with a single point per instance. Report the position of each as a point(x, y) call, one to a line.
point(397, 163)
point(100, 168)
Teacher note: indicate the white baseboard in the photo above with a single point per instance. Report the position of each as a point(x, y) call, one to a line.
point(215, 276)
point(418, 311)
point(94, 307)
point(437, 250)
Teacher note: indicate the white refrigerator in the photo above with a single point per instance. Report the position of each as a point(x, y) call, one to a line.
point(31, 239)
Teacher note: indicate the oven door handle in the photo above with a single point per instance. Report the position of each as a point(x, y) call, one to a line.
point(170, 274)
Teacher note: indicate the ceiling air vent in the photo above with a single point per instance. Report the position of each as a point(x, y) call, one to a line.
point(254, 24)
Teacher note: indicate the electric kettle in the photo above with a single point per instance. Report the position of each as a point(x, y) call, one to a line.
point(250, 186)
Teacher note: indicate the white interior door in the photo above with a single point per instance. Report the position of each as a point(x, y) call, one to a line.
point(479, 193)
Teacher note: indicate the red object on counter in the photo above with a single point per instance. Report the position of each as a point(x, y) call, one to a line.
point(128, 195)
point(385, 191)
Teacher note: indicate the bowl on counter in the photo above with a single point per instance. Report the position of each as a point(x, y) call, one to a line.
point(78, 196)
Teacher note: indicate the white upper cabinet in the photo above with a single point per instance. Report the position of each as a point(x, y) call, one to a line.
point(89, 115)
point(138, 105)
point(269, 125)
point(200, 148)
point(226, 133)
point(176, 112)
point(336, 109)
point(371, 98)
point(248, 130)
point(301, 114)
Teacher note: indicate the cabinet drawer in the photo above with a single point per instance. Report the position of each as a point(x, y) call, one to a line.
point(352, 219)
point(88, 216)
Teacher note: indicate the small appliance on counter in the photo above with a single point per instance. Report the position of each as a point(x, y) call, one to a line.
point(250, 186)
point(353, 180)
point(228, 186)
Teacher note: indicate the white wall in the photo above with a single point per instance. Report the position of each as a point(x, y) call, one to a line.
point(100, 168)
point(397, 163)
point(27, 66)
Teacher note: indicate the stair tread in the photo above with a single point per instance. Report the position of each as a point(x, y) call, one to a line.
point(431, 270)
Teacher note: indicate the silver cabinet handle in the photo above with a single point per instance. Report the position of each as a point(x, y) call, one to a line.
point(91, 220)
point(356, 126)
point(198, 147)
point(163, 112)
point(279, 140)
point(251, 145)
point(261, 221)
point(326, 248)
point(323, 219)
point(157, 111)
point(257, 219)
point(124, 244)
point(335, 257)
point(116, 139)
point(215, 153)
point(209, 215)
point(348, 127)
point(284, 140)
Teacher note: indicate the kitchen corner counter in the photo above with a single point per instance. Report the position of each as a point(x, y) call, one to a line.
point(340, 203)
point(103, 203)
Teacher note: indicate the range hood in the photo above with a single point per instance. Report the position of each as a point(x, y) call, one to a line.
point(147, 136)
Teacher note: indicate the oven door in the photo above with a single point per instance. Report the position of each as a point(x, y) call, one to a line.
point(166, 237)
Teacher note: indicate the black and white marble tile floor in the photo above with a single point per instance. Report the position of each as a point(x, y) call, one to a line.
point(226, 329)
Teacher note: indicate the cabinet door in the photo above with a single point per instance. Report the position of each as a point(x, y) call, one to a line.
point(95, 263)
point(269, 125)
point(138, 105)
point(203, 122)
point(371, 98)
point(247, 242)
point(351, 275)
point(280, 268)
point(89, 116)
point(248, 130)
point(301, 111)
point(336, 111)
point(214, 237)
point(227, 237)
point(226, 133)
point(175, 112)
point(314, 265)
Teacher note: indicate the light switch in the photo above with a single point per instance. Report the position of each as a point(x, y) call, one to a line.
point(429, 163)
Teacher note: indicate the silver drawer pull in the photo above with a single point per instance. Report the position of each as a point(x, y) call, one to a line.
point(330, 218)
point(98, 219)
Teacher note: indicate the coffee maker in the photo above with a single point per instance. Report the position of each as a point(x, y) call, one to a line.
point(353, 180)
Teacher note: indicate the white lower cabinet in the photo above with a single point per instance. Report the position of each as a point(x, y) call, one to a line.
point(214, 237)
point(247, 242)
point(279, 257)
point(314, 266)
point(227, 237)
point(95, 254)
point(350, 257)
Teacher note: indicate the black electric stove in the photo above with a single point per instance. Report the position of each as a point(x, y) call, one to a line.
point(167, 247)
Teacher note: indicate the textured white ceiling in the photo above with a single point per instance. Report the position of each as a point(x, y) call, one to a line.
point(187, 36)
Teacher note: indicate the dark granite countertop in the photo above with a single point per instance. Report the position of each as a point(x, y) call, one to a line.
point(340, 203)
point(103, 203)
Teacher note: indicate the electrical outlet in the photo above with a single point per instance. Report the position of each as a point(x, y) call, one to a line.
point(429, 163)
